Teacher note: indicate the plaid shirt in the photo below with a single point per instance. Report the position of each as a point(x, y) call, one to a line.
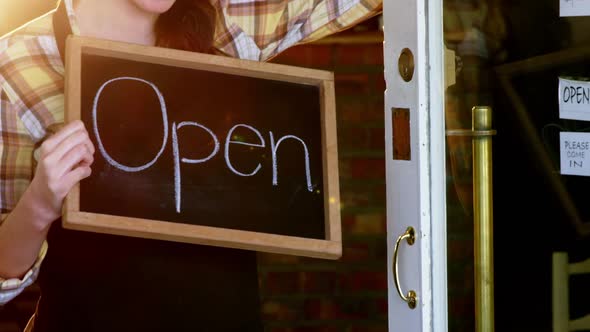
point(31, 77)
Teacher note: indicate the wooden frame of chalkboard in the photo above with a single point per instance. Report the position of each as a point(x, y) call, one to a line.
point(327, 245)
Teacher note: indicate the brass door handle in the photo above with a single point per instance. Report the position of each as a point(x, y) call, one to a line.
point(411, 297)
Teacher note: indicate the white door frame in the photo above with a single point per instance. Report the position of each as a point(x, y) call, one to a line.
point(416, 189)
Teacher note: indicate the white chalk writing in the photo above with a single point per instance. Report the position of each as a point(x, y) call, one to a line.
point(176, 153)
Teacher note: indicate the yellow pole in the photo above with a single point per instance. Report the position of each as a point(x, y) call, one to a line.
point(483, 220)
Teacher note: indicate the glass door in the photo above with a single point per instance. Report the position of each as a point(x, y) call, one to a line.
point(528, 61)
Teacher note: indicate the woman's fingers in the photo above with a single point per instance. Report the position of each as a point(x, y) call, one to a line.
point(77, 156)
point(76, 175)
point(78, 138)
point(54, 140)
point(65, 159)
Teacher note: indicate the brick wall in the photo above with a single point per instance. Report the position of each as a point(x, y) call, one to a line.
point(348, 295)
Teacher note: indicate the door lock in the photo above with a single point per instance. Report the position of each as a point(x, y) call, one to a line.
point(406, 65)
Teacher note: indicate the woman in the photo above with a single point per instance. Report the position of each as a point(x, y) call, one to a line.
point(94, 282)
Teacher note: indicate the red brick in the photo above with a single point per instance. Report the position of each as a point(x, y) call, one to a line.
point(378, 84)
point(345, 168)
point(278, 311)
point(368, 168)
point(354, 198)
point(337, 309)
point(383, 307)
point(351, 84)
point(317, 282)
point(349, 55)
point(373, 54)
point(316, 329)
point(322, 56)
point(365, 224)
point(315, 56)
point(285, 58)
point(295, 56)
point(305, 329)
point(354, 137)
point(316, 309)
point(276, 259)
point(364, 281)
point(374, 328)
point(375, 111)
point(357, 252)
point(356, 309)
point(377, 139)
point(348, 223)
point(357, 77)
point(380, 194)
point(281, 283)
point(381, 249)
point(352, 111)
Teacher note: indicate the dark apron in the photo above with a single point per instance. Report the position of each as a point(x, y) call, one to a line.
point(93, 282)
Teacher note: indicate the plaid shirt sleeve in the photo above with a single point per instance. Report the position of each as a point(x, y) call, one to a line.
point(31, 99)
point(259, 30)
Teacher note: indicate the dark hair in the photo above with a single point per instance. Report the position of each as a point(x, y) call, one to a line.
point(189, 25)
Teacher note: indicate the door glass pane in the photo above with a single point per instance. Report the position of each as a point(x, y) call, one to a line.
point(510, 55)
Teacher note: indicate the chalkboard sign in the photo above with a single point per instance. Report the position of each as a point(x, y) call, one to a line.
point(204, 149)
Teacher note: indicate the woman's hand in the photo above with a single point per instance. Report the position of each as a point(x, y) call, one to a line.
point(65, 159)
